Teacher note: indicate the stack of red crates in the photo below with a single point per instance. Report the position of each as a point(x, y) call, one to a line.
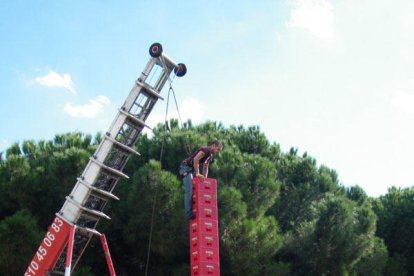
point(204, 240)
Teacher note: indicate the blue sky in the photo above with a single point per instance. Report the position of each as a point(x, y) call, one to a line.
point(333, 78)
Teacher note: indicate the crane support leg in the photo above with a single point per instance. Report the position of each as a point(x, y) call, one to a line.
point(107, 255)
point(70, 250)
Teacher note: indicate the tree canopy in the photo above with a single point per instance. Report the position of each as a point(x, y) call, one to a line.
point(280, 213)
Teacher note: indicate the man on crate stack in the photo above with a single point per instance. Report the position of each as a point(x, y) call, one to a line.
point(197, 163)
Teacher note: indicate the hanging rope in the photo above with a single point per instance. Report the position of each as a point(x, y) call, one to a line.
point(165, 124)
point(170, 90)
point(154, 202)
point(178, 111)
point(187, 147)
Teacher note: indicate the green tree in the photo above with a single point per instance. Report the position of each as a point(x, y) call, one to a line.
point(325, 229)
point(334, 241)
point(395, 212)
point(254, 176)
point(44, 173)
point(150, 190)
point(19, 234)
point(374, 262)
point(242, 237)
point(250, 140)
point(303, 184)
point(356, 194)
point(249, 190)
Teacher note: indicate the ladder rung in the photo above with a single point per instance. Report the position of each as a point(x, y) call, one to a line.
point(87, 218)
point(102, 192)
point(90, 211)
point(134, 119)
point(89, 230)
point(148, 89)
point(117, 172)
point(125, 147)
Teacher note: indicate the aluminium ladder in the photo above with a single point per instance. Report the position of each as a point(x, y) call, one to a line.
point(74, 225)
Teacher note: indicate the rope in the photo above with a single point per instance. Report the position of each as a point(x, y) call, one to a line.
point(156, 190)
point(171, 89)
point(165, 123)
point(188, 149)
point(176, 105)
point(150, 237)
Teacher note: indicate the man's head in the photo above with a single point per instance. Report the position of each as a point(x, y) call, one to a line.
point(216, 147)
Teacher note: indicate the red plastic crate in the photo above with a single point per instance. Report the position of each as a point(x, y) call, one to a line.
point(210, 255)
point(205, 197)
point(203, 269)
point(208, 185)
point(204, 226)
point(204, 241)
point(205, 211)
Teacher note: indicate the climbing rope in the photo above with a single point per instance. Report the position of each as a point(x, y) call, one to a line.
point(187, 146)
point(156, 190)
point(170, 90)
point(165, 123)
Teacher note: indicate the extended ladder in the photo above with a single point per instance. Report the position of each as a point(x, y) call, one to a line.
point(84, 206)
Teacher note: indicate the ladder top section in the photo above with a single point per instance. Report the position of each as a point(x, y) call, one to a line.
point(156, 51)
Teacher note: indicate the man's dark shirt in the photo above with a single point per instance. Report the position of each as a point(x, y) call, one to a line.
point(206, 158)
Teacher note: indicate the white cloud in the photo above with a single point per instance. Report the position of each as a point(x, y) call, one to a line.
point(90, 110)
point(403, 102)
point(315, 16)
point(54, 79)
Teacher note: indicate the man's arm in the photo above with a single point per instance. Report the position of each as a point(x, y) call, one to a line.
point(205, 169)
point(196, 160)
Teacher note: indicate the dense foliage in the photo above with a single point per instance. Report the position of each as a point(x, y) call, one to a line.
point(280, 213)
